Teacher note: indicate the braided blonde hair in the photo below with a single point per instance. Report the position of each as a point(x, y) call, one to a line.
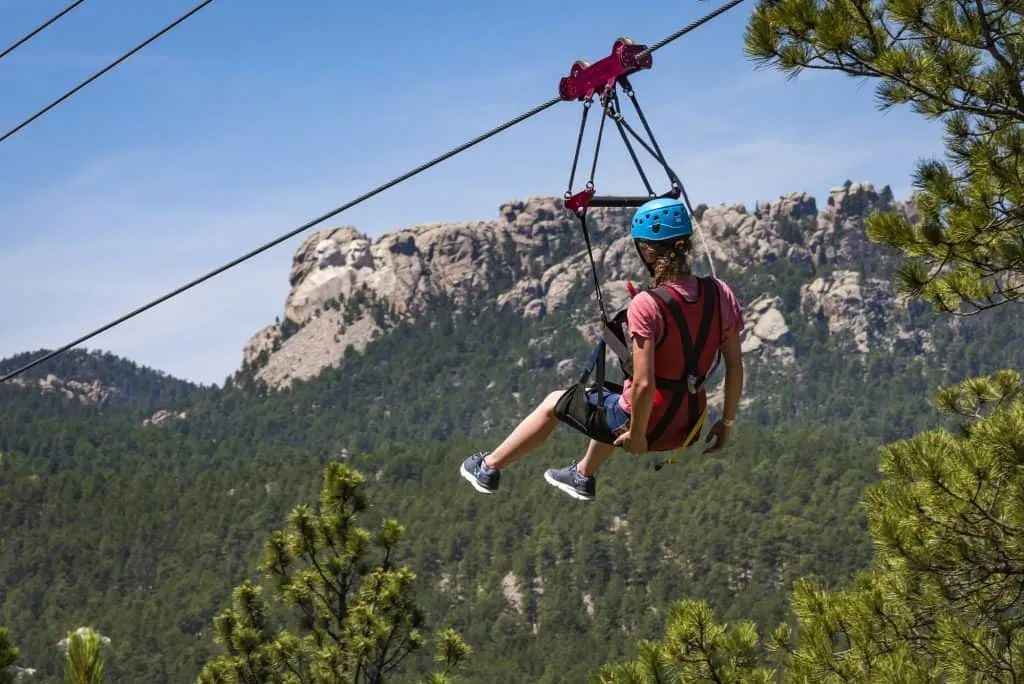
point(671, 259)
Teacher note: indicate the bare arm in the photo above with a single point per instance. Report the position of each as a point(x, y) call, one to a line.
point(733, 389)
point(733, 375)
point(642, 398)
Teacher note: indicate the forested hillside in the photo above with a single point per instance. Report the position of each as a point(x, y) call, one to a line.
point(141, 530)
point(101, 378)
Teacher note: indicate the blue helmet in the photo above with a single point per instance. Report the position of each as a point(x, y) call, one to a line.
point(663, 218)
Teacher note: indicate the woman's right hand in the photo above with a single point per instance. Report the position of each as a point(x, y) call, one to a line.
point(721, 431)
point(634, 445)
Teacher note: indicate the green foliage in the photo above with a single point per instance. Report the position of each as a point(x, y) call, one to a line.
point(183, 519)
point(695, 649)
point(941, 601)
point(948, 524)
point(957, 62)
point(357, 619)
point(8, 656)
point(83, 663)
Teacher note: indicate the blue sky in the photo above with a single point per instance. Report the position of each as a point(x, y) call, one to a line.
point(254, 117)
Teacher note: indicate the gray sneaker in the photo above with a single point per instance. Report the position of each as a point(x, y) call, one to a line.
point(570, 481)
point(483, 478)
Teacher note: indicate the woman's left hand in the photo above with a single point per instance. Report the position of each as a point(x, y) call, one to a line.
point(634, 445)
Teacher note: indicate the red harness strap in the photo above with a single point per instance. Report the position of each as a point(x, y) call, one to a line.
point(678, 359)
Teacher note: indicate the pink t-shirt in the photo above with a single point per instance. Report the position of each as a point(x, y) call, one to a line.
point(645, 319)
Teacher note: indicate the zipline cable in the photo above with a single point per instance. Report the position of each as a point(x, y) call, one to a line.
point(105, 69)
point(39, 29)
point(657, 46)
point(689, 27)
point(290, 234)
point(309, 224)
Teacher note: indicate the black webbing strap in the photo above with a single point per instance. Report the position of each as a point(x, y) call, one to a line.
point(593, 269)
point(690, 380)
point(582, 213)
point(613, 110)
point(579, 145)
point(580, 202)
point(653, 149)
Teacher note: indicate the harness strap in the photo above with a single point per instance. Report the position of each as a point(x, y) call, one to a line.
point(615, 337)
point(593, 268)
point(690, 438)
point(691, 381)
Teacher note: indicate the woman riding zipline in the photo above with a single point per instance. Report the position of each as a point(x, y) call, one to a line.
point(655, 411)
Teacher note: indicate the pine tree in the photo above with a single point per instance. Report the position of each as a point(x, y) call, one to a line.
point(357, 618)
point(8, 656)
point(957, 61)
point(83, 662)
point(942, 601)
point(695, 649)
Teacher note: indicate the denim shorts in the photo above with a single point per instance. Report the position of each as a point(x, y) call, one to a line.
point(617, 419)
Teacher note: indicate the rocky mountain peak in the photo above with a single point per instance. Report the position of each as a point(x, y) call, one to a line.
point(345, 285)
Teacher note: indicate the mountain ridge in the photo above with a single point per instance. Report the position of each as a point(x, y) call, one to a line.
point(347, 290)
point(99, 378)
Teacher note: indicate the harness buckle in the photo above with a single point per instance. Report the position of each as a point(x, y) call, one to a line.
point(579, 202)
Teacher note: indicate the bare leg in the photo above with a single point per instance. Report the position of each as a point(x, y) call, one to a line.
point(528, 435)
point(597, 454)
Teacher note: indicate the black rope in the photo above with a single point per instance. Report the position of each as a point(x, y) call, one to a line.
point(582, 212)
point(593, 268)
point(597, 145)
point(643, 119)
point(611, 108)
point(672, 177)
point(616, 114)
point(625, 125)
point(656, 152)
point(39, 29)
point(579, 146)
point(104, 70)
point(290, 234)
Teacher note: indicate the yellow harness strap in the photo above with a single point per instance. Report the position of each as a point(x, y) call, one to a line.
point(693, 433)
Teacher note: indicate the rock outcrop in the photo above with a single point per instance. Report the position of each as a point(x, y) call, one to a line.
point(162, 416)
point(92, 392)
point(861, 307)
point(765, 330)
point(347, 288)
point(344, 285)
